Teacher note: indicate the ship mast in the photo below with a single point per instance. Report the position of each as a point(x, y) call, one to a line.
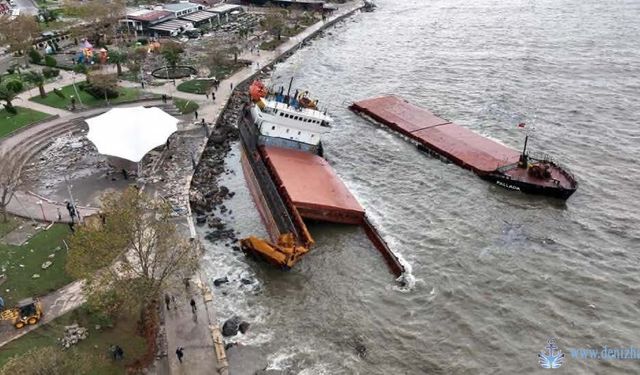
point(523, 157)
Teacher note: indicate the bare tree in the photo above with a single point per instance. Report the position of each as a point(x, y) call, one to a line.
point(99, 19)
point(18, 32)
point(137, 251)
point(9, 181)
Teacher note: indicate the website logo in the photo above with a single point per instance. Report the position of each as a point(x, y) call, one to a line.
point(551, 357)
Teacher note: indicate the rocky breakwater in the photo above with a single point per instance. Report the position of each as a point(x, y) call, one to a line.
point(206, 195)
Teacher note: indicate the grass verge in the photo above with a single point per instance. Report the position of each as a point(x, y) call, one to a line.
point(196, 86)
point(25, 116)
point(10, 225)
point(20, 263)
point(185, 106)
point(127, 94)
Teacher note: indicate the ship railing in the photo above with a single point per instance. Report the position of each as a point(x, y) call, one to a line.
point(544, 157)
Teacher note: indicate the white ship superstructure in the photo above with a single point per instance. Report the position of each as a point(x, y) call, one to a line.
point(289, 123)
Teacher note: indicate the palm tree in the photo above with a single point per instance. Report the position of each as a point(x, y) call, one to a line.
point(37, 79)
point(8, 95)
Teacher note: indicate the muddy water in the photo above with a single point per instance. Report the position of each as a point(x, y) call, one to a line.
point(497, 272)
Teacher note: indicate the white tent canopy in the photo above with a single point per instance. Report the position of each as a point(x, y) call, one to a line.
point(130, 133)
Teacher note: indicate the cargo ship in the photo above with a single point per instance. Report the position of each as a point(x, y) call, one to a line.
point(492, 161)
point(290, 181)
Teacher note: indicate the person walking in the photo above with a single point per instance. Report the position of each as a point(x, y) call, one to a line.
point(167, 301)
point(193, 306)
point(180, 353)
point(206, 94)
point(195, 113)
point(119, 353)
point(231, 85)
point(213, 97)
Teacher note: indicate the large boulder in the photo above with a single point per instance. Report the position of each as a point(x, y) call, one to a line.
point(231, 327)
point(220, 281)
point(244, 327)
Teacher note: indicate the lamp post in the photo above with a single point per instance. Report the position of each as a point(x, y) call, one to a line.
point(44, 218)
point(73, 75)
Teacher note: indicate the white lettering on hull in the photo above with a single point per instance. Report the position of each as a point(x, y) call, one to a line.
point(508, 186)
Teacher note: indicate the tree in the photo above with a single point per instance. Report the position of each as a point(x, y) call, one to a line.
point(9, 181)
point(37, 79)
point(50, 61)
point(171, 52)
point(102, 86)
point(99, 19)
point(19, 32)
point(48, 361)
point(137, 250)
point(117, 57)
point(136, 58)
point(8, 94)
point(35, 56)
point(274, 23)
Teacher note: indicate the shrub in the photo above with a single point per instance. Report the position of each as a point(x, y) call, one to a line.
point(59, 93)
point(49, 72)
point(14, 85)
point(100, 92)
point(11, 109)
point(80, 68)
point(35, 56)
point(50, 61)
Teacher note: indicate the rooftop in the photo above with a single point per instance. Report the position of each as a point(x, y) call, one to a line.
point(180, 6)
point(172, 25)
point(224, 8)
point(198, 16)
point(149, 15)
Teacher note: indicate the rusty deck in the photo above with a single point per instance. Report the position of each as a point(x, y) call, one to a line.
point(458, 144)
point(313, 186)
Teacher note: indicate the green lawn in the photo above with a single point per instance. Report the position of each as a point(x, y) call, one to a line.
point(196, 86)
point(126, 95)
point(95, 346)
point(7, 227)
point(25, 116)
point(185, 106)
point(19, 263)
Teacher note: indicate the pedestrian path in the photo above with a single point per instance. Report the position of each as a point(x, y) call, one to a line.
point(192, 330)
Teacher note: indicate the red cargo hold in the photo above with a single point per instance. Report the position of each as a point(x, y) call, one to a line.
point(312, 185)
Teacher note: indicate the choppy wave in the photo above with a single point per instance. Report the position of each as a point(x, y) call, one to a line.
point(496, 272)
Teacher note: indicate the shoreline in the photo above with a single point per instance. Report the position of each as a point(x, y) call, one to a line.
point(206, 196)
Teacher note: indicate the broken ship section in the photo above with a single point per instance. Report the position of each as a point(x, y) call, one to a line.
point(490, 160)
point(288, 186)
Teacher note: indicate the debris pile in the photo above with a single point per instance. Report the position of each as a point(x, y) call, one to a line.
point(72, 335)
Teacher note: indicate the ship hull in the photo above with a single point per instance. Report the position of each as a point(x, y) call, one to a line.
point(528, 188)
point(490, 160)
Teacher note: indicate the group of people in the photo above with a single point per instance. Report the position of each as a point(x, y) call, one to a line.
point(169, 300)
point(116, 352)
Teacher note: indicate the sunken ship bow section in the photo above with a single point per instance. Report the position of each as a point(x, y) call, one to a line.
point(490, 160)
point(289, 180)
